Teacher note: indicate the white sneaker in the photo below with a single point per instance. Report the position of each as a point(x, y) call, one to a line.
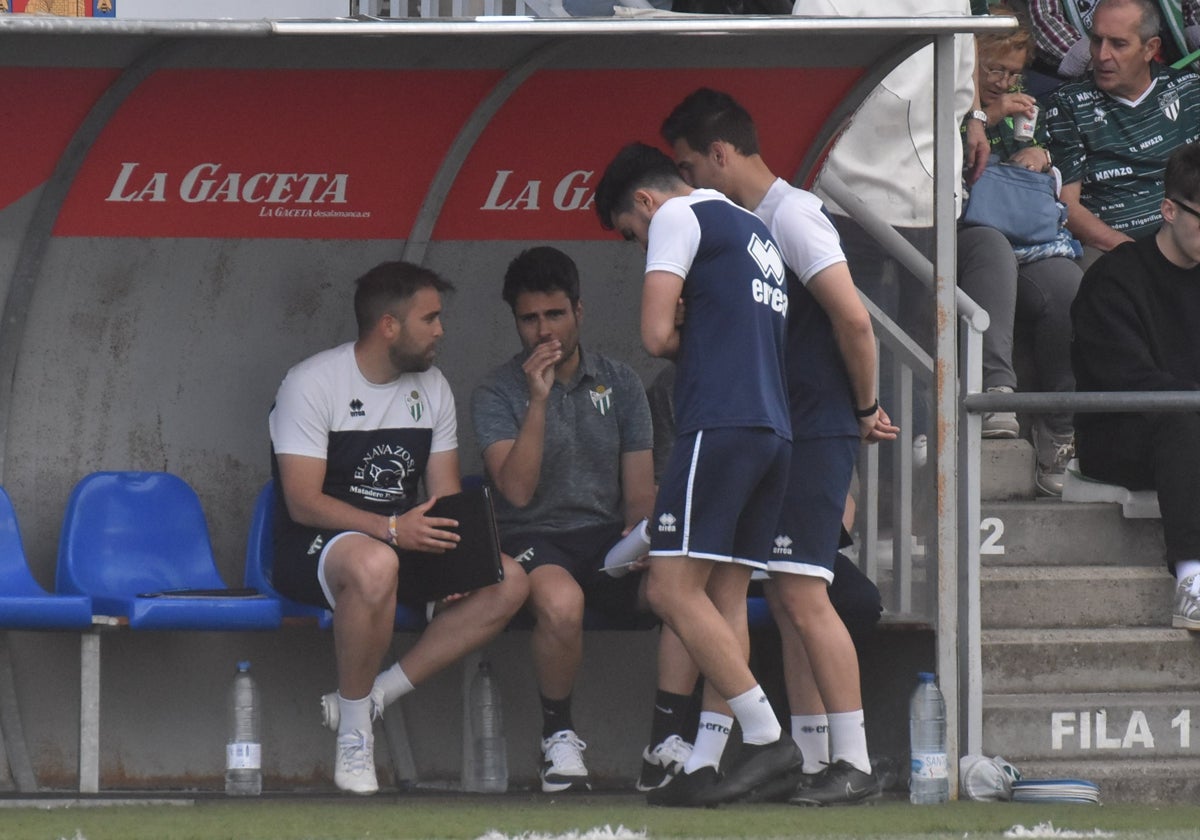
point(1187, 604)
point(331, 712)
point(562, 763)
point(354, 766)
point(997, 425)
point(663, 763)
point(1053, 455)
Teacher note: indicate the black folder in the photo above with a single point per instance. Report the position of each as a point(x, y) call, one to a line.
point(472, 564)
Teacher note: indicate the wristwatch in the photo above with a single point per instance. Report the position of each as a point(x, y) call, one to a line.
point(979, 115)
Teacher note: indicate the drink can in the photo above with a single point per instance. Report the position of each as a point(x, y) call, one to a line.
point(1023, 125)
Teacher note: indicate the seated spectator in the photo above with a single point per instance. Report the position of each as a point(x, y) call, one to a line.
point(1110, 135)
point(1061, 27)
point(1136, 318)
point(343, 422)
point(1045, 286)
point(566, 440)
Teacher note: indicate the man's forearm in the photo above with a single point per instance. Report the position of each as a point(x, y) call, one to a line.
point(1089, 229)
point(857, 347)
point(327, 513)
point(519, 472)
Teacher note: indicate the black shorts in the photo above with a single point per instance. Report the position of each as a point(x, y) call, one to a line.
point(581, 552)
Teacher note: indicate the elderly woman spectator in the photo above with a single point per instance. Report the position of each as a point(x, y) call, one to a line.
point(1046, 285)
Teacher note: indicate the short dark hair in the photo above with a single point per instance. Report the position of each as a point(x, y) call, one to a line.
point(388, 284)
point(707, 115)
point(636, 166)
point(1151, 20)
point(541, 269)
point(1182, 177)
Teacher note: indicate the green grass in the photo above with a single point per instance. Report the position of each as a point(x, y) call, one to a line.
point(452, 816)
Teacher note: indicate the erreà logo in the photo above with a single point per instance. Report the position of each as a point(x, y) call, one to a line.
point(356, 408)
point(211, 182)
point(666, 523)
point(767, 255)
point(783, 545)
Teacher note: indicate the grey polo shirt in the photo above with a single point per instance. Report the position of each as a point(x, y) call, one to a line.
point(592, 421)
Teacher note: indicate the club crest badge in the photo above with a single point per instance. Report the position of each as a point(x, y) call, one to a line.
point(416, 408)
point(1168, 103)
point(602, 399)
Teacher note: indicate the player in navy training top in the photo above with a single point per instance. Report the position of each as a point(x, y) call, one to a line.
point(714, 299)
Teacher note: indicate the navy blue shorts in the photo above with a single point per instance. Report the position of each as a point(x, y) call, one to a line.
point(810, 521)
point(720, 496)
point(581, 552)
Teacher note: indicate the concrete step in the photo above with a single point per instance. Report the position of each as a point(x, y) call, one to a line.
point(1141, 781)
point(1136, 659)
point(1006, 470)
point(1075, 596)
point(1056, 533)
point(1095, 726)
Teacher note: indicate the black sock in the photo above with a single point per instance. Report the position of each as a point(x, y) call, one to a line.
point(670, 716)
point(556, 715)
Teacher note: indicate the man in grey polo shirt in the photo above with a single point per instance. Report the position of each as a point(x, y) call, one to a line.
point(567, 443)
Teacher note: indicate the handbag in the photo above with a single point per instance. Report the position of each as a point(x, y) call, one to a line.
point(1021, 204)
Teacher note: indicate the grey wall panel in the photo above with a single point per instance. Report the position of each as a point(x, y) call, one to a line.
point(166, 354)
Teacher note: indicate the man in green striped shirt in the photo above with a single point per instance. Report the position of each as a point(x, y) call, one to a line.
point(1110, 136)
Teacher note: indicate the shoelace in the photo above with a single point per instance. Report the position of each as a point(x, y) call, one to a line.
point(357, 753)
point(566, 752)
point(1193, 585)
point(1064, 453)
point(674, 749)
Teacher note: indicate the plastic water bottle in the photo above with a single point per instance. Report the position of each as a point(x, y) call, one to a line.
point(929, 783)
point(243, 751)
point(489, 752)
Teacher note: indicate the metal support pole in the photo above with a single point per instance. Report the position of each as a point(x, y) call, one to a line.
point(946, 176)
point(89, 711)
point(970, 452)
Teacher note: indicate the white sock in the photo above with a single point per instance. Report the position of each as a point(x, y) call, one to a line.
point(1184, 569)
point(394, 682)
point(811, 734)
point(753, 711)
point(711, 737)
point(354, 714)
point(848, 739)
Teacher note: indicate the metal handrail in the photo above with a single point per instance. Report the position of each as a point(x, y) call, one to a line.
point(1084, 401)
point(900, 248)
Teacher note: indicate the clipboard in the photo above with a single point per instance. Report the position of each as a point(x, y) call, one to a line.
point(472, 564)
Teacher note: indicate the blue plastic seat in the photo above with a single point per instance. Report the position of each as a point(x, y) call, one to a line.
point(129, 535)
point(260, 555)
point(24, 604)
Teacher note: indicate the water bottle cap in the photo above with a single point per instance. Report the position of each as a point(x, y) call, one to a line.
point(926, 677)
point(244, 665)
